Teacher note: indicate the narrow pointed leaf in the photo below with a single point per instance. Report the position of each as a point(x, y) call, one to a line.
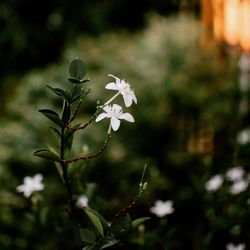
point(89, 247)
point(109, 242)
point(101, 218)
point(60, 92)
point(47, 154)
point(59, 169)
point(139, 221)
point(66, 113)
point(95, 220)
point(52, 115)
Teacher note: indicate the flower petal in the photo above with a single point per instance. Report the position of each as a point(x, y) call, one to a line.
point(111, 85)
point(134, 97)
point(101, 116)
point(127, 99)
point(115, 123)
point(127, 116)
point(107, 109)
point(38, 178)
point(116, 78)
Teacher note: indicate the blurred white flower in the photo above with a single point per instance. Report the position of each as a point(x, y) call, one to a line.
point(162, 208)
point(243, 136)
point(124, 89)
point(235, 173)
point(238, 186)
point(30, 185)
point(115, 114)
point(214, 183)
point(231, 246)
point(82, 201)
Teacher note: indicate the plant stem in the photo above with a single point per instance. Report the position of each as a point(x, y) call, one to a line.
point(65, 176)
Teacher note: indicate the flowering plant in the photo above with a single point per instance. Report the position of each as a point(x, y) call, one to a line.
point(95, 231)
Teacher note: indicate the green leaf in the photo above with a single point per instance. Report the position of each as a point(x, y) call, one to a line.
point(121, 226)
point(60, 170)
point(139, 221)
point(47, 154)
point(95, 220)
point(66, 112)
point(60, 92)
point(100, 217)
point(75, 81)
point(89, 247)
point(87, 236)
point(108, 242)
point(77, 70)
point(52, 115)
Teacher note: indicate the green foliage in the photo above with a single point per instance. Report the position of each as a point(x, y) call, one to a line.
point(77, 70)
point(121, 226)
point(95, 220)
point(187, 124)
point(53, 116)
point(47, 154)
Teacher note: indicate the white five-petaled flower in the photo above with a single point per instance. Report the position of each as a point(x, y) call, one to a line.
point(231, 246)
point(124, 89)
point(82, 201)
point(214, 183)
point(31, 185)
point(162, 208)
point(115, 114)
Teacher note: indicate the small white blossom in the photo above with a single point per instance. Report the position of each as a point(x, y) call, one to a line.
point(82, 201)
point(124, 89)
point(238, 186)
point(162, 208)
point(235, 173)
point(214, 183)
point(31, 185)
point(115, 114)
point(243, 136)
point(231, 246)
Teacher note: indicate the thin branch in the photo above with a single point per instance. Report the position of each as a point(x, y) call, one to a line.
point(91, 156)
point(82, 126)
point(142, 187)
point(85, 124)
point(74, 114)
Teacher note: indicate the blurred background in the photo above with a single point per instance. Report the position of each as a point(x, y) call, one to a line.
point(188, 63)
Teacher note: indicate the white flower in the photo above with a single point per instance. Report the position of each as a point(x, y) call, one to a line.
point(243, 136)
point(30, 185)
point(124, 89)
point(238, 186)
point(235, 173)
point(115, 114)
point(231, 246)
point(214, 183)
point(82, 201)
point(162, 208)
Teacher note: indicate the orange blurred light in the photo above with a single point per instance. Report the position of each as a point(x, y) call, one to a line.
point(218, 19)
point(244, 35)
point(232, 20)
